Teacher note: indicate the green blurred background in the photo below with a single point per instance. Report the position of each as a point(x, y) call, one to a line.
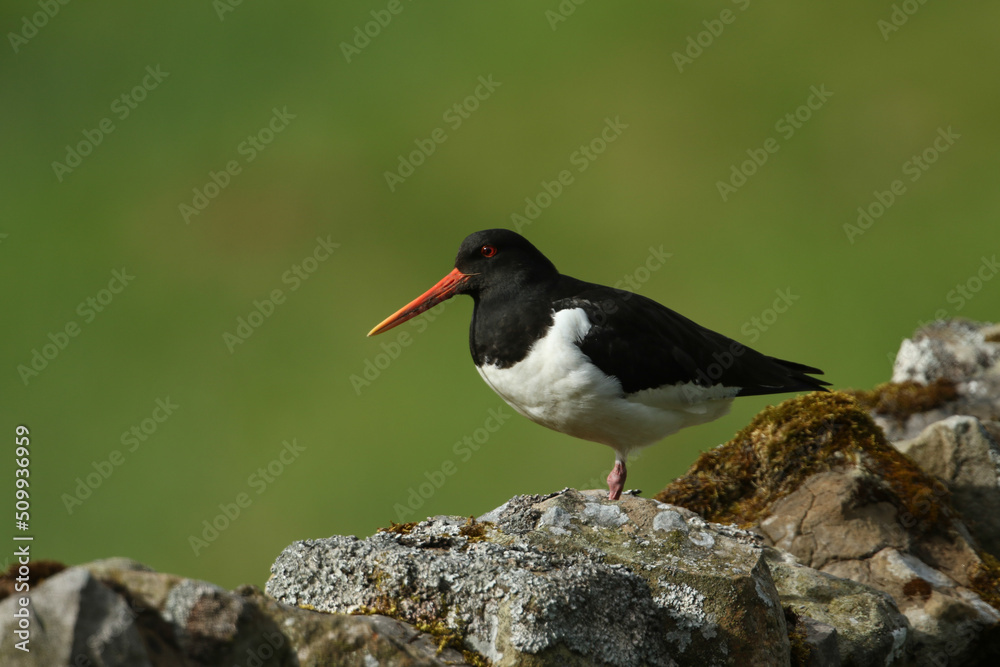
point(366, 449)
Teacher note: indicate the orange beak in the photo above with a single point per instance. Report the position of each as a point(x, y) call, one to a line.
point(442, 291)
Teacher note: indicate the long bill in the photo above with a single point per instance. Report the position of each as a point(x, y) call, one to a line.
point(442, 291)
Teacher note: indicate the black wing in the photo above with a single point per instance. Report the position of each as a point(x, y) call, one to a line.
point(645, 345)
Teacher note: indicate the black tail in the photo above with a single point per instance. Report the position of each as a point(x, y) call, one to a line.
point(786, 376)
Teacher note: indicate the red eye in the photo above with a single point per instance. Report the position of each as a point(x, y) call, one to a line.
point(488, 250)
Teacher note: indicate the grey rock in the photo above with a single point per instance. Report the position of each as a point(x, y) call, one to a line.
point(868, 629)
point(206, 621)
point(955, 350)
point(107, 567)
point(318, 640)
point(959, 451)
point(119, 613)
point(963, 352)
point(822, 641)
point(75, 620)
point(565, 579)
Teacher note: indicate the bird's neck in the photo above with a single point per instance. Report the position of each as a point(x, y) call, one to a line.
point(506, 323)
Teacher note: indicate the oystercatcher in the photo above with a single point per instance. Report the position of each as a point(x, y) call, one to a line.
point(594, 362)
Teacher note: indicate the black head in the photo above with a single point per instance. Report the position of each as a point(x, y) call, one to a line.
point(490, 263)
point(499, 261)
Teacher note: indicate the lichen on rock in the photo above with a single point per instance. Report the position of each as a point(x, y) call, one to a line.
point(565, 579)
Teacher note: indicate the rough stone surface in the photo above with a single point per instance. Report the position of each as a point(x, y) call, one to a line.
point(74, 620)
point(822, 642)
point(847, 623)
point(835, 495)
point(840, 523)
point(961, 352)
point(119, 613)
point(959, 451)
point(568, 579)
point(317, 640)
point(957, 350)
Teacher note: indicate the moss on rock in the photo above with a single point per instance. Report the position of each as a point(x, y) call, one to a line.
point(900, 400)
point(475, 531)
point(986, 579)
point(399, 528)
point(739, 482)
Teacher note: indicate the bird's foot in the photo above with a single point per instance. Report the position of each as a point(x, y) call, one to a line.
point(616, 480)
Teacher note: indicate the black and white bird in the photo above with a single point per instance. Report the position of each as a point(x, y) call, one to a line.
point(594, 362)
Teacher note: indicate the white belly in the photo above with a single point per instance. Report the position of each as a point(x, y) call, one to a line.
point(557, 386)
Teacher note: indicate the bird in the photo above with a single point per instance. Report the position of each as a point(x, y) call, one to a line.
point(594, 362)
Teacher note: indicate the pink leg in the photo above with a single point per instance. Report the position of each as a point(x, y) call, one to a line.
point(616, 480)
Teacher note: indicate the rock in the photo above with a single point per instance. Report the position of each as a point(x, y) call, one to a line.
point(960, 452)
point(844, 622)
point(120, 613)
point(566, 579)
point(318, 640)
point(948, 368)
point(821, 640)
point(956, 350)
point(74, 620)
point(817, 478)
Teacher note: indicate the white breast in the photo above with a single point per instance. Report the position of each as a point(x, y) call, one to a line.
point(557, 386)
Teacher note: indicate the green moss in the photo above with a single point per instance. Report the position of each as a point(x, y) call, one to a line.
point(739, 481)
point(446, 636)
point(476, 659)
point(387, 603)
point(900, 400)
